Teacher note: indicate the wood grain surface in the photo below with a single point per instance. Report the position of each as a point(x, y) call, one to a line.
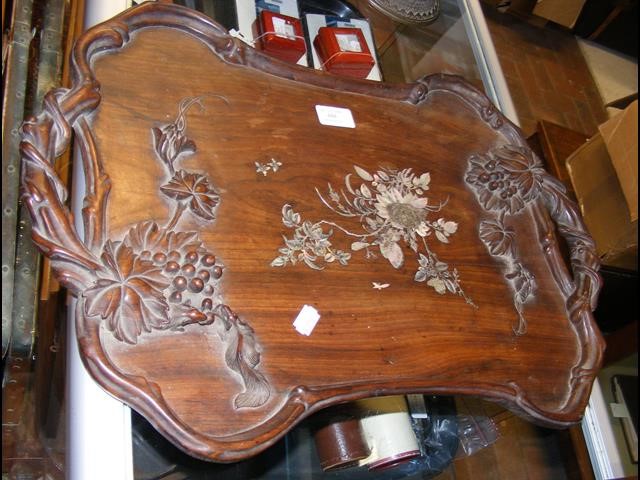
point(208, 177)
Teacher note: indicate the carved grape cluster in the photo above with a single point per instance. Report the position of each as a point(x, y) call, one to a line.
point(505, 179)
point(193, 277)
point(496, 181)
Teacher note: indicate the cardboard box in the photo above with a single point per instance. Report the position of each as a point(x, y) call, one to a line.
point(562, 12)
point(600, 189)
point(620, 135)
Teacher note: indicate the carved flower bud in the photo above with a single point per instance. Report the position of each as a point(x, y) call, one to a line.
point(175, 297)
point(145, 255)
point(174, 256)
point(208, 290)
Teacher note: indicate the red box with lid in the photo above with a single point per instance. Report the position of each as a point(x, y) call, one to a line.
point(344, 51)
point(280, 36)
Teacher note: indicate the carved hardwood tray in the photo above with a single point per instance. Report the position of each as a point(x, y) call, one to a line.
point(216, 206)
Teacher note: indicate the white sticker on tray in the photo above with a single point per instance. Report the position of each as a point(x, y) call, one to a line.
point(306, 320)
point(335, 116)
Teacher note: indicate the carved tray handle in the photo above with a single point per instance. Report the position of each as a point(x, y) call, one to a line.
point(552, 209)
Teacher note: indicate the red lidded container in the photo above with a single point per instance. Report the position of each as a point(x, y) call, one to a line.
point(344, 51)
point(280, 36)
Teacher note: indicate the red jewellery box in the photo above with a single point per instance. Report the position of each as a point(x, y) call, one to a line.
point(280, 36)
point(344, 51)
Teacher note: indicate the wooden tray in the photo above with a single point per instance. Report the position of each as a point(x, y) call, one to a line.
point(216, 206)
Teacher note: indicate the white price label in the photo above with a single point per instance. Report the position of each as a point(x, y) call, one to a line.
point(306, 320)
point(335, 116)
point(283, 29)
point(348, 42)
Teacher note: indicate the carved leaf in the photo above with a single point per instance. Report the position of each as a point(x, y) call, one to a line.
point(523, 283)
point(149, 236)
point(203, 199)
point(524, 170)
point(243, 357)
point(500, 240)
point(169, 142)
point(130, 296)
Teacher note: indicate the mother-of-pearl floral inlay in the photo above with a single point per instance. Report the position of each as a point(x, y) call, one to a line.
point(393, 211)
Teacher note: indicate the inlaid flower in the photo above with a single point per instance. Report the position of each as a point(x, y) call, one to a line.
point(202, 198)
point(499, 239)
point(128, 294)
point(505, 179)
point(392, 215)
point(405, 212)
point(444, 229)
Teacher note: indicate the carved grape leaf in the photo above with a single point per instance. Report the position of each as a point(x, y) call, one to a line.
point(195, 188)
point(150, 237)
point(499, 239)
point(524, 170)
point(128, 296)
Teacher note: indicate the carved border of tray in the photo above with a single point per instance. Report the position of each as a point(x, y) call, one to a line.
point(48, 135)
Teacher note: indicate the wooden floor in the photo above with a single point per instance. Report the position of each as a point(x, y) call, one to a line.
point(522, 450)
point(546, 73)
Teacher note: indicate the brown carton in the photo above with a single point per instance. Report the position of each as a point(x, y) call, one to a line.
point(562, 12)
point(599, 189)
point(620, 135)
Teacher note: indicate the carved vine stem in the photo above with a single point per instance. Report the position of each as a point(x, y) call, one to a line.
point(177, 213)
point(45, 196)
